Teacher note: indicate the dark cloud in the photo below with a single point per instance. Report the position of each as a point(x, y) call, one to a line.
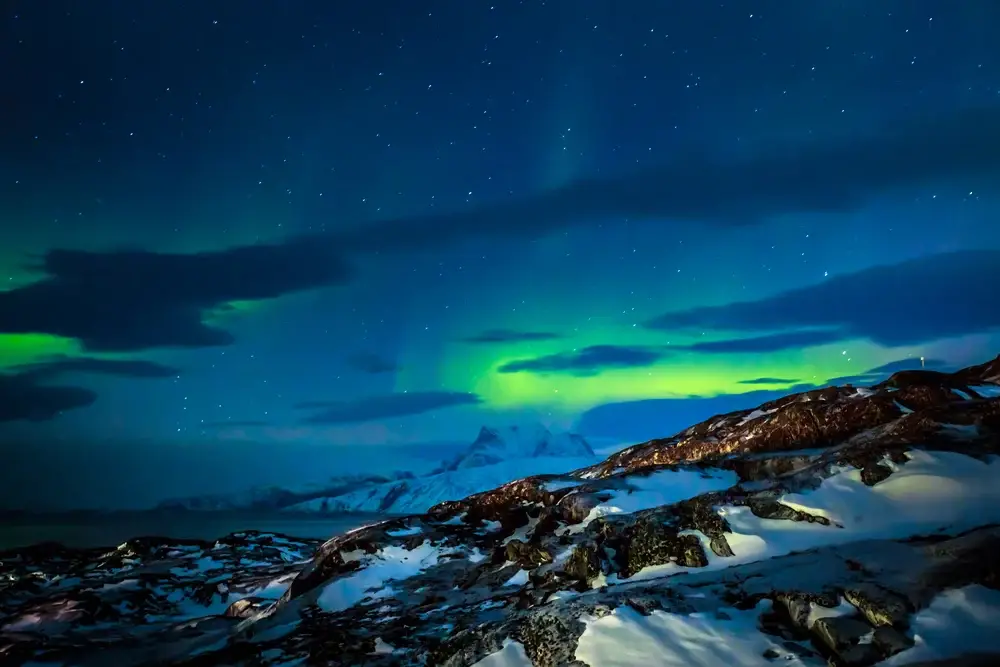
point(511, 336)
point(916, 301)
point(771, 343)
point(131, 300)
point(21, 399)
point(131, 368)
point(769, 381)
point(588, 360)
point(370, 362)
point(375, 408)
point(24, 396)
point(838, 175)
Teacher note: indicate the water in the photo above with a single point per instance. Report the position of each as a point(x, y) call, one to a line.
point(108, 530)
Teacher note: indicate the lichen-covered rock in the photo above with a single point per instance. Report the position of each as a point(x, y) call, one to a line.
point(583, 565)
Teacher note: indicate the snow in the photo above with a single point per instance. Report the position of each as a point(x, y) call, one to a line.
point(932, 493)
point(818, 611)
point(519, 579)
point(626, 638)
point(561, 484)
point(959, 621)
point(390, 563)
point(511, 655)
point(382, 647)
point(987, 390)
point(663, 487)
point(756, 414)
point(495, 445)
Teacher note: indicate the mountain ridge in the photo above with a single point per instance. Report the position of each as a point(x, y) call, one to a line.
point(497, 455)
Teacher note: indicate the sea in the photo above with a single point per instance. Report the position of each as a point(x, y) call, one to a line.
point(84, 530)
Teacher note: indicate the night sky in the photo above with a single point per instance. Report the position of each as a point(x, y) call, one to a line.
point(277, 241)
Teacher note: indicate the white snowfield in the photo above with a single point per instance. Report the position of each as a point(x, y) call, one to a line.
point(934, 492)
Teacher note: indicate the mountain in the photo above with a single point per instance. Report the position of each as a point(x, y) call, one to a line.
point(268, 498)
point(841, 526)
point(497, 456)
point(496, 445)
point(417, 495)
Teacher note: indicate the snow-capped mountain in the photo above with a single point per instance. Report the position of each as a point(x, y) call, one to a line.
point(497, 456)
point(274, 497)
point(417, 495)
point(496, 445)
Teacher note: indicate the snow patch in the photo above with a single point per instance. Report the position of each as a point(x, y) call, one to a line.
point(626, 638)
point(757, 414)
point(511, 655)
point(519, 579)
point(663, 487)
point(959, 621)
point(987, 390)
point(389, 564)
point(935, 492)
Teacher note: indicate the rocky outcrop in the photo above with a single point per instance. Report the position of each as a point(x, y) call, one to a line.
point(840, 526)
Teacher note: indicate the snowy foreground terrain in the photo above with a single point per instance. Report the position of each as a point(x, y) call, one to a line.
point(840, 526)
point(497, 456)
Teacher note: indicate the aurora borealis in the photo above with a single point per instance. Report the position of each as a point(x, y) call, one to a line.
point(262, 244)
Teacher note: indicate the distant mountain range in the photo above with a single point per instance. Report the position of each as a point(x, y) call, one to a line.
point(497, 456)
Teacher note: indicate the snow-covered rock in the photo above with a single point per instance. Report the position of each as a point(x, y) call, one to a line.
point(830, 527)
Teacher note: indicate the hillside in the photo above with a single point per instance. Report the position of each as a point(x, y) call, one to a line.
point(837, 526)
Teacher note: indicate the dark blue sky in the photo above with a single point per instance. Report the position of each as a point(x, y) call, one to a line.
point(264, 242)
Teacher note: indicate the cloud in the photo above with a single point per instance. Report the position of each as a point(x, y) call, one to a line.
point(23, 400)
point(387, 406)
point(771, 343)
point(131, 368)
point(589, 360)
point(24, 397)
point(902, 304)
point(132, 300)
point(766, 380)
point(370, 362)
point(511, 336)
point(836, 176)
